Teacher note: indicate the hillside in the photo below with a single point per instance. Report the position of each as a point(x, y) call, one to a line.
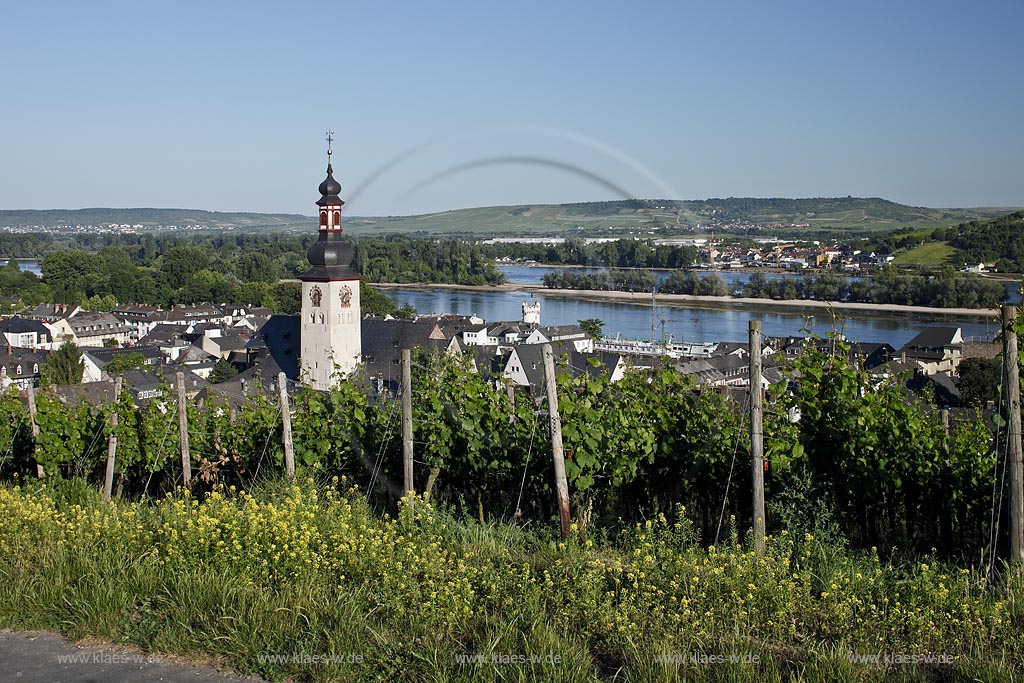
point(999, 241)
point(788, 217)
point(809, 218)
point(186, 219)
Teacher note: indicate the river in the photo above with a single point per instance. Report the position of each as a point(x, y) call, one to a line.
point(31, 265)
point(634, 321)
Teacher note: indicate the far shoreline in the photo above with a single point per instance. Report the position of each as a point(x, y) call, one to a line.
point(711, 302)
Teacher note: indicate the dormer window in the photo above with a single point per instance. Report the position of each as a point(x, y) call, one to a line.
point(19, 369)
point(35, 368)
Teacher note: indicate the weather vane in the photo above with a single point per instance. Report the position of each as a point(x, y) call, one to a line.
point(330, 139)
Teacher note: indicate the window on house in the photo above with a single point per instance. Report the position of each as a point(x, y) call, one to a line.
point(19, 369)
point(35, 368)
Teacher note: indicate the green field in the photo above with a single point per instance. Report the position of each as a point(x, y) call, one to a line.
point(928, 254)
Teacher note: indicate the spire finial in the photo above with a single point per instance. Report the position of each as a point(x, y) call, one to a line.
point(330, 139)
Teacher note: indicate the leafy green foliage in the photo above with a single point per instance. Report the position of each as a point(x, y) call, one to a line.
point(880, 462)
point(404, 259)
point(979, 380)
point(575, 251)
point(592, 326)
point(126, 361)
point(612, 280)
point(222, 371)
point(375, 302)
point(999, 240)
point(946, 289)
point(63, 366)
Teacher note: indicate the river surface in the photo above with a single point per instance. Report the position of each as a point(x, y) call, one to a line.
point(682, 324)
point(31, 265)
point(634, 321)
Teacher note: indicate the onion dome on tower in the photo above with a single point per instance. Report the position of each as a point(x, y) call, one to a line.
point(330, 256)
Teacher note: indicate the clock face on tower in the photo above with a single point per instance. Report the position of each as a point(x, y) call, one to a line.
point(346, 296)
point(315, 295)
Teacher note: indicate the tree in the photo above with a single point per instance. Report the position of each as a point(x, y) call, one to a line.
point(373, 302)
point(222, 372)
point(979, 378)
point(63, 366)
point(126, 361)
point(181, 262)
point(592, 326)
point(110, 343)
point(99, 303)
point(206, 285)
point(256, 267)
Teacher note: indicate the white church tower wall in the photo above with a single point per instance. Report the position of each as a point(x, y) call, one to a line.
point(331, 345)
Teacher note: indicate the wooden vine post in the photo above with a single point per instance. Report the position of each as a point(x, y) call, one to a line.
point(35, 426)
point(1011, 381)
point(757, 435)
point(186, 460)
point(108, 479)
point(286, 426)
point(510, 388)
point(561, 485)
point(407, 472)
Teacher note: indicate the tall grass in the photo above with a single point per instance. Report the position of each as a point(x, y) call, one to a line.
point(304, 581)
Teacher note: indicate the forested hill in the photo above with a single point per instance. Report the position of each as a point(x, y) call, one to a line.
point(999, 242)
point(810, 218)
point(151, 218)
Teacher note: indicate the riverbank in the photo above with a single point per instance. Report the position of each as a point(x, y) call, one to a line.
point(710, 302)
point(690, 301)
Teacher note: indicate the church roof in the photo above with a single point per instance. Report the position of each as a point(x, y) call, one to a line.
point(330, 258)
point(329, 189)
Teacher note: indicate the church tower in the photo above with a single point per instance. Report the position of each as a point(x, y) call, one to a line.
point(331, 328)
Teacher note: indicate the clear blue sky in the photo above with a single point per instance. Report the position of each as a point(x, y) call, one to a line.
point(437, 106)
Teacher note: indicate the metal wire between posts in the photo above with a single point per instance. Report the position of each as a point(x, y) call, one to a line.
point(526, 465)
point(993, 523)
point(728, 481)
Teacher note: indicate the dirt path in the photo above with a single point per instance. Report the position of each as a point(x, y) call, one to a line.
point(37, 657)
